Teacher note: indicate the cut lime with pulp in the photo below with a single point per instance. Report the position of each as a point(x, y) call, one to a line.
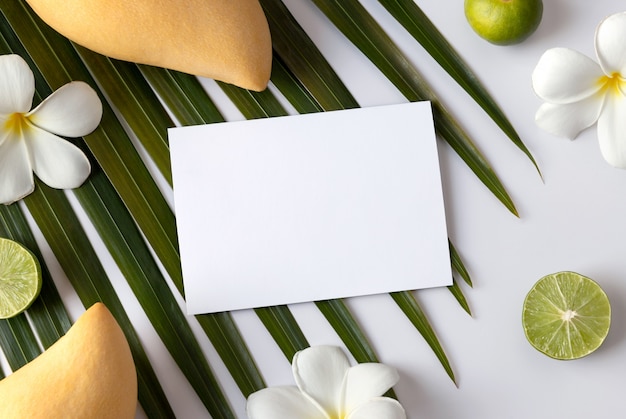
point(20, 278)
point(566, 315)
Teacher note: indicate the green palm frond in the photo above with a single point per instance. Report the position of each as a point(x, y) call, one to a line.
point(414, 312)
point(353, 20)
point(284, 328)
point(415, 21)
point(457, 292)
point(127, 208)
point(61, 229)
point(18, 341)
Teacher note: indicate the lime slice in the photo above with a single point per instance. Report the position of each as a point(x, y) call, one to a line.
point(20, 278)
point(566, 315)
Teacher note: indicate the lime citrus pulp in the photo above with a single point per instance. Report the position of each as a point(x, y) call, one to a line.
point(566, 315)
point(20, 278)
point(504, 22)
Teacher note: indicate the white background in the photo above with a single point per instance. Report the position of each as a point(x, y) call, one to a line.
point(572, 220)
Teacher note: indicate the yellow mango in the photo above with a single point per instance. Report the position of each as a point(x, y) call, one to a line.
point(227, 40)
point(88, 373)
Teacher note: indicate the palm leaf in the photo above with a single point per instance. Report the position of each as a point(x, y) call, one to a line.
point(244, 371)
point(187, 94)
point(302, 97)
point(132, 96)
point(351, 18)
point(293, 89)
point(306, 62)
point(18, 341)
point(415, 21)
point(411, 308)
point(283, 327)
point(59, 63)
point(340, 318)
point(457, 264)
point(121, 80)
point(61, 229)
point(124, 242)
point(184, 96)
point(262, 105)
point(459, 296)
point(303, 77)
point(254, 105)
point(223, 333)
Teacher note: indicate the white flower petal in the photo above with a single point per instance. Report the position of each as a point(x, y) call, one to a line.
point(4, 133)
point(16, 175)
point(570, 119)
point(612, 131)
point(73, 110)
point(563, 76)
point(610, 46)
point(281, 403)
point(57, 162)
point(17, 85)
point(366, 381)
point(319, 372)
point(379, 408)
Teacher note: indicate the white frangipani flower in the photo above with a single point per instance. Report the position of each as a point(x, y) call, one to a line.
point(29, 139)
point(329, 388)
point(580, 92)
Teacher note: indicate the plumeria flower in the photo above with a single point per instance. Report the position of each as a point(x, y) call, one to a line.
point(329, 388)
point(29, 139)
point(579, 92)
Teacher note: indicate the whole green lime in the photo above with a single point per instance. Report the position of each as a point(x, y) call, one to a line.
point(504, 22)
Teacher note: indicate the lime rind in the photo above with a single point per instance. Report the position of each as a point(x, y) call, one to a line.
point(566, 315)
point(20, 278)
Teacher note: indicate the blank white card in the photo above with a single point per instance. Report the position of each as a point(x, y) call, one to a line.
point(309, 207)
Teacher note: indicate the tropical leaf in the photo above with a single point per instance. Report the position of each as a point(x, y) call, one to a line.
point(227, 341)
point(409, 305)
point(59, 63)
point(457, 264)
point(297, 49)
point(283, 327)
point(338, 315)
point(18, 341)
point(263, 105)
point(353, 20)
point(293, 89)
point(459, 296)
point(140, 113)
point(132, 96)
point(124, 242)
point(306, 62)
point(415, 21)
point(134, 265)
point(61, 229)
point(184, 96)
point(127, 202)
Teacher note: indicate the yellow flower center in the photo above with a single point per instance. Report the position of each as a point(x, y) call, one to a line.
point(614, 84)
point(16, 123)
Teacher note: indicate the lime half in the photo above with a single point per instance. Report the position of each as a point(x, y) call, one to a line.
point(566, 315)
point(20, 278)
